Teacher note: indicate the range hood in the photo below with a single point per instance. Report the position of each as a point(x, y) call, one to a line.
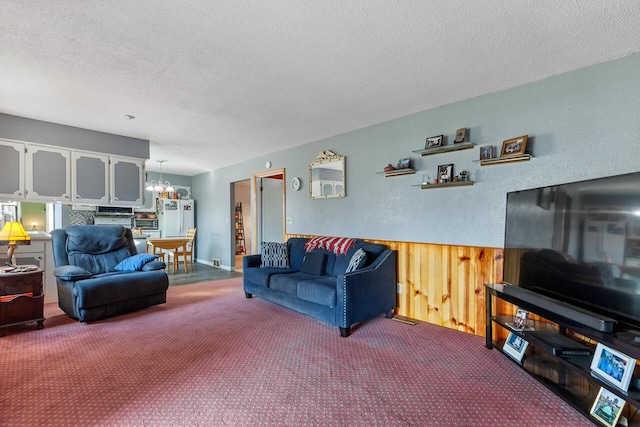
point(122, 211)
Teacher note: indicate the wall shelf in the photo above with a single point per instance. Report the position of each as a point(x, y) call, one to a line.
point(445, 149)
point(397, 172)
point(445, 184)
point(501, 160)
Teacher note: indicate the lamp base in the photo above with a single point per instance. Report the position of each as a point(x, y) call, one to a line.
point(10, 258)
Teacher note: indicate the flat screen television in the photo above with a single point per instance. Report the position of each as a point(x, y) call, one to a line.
point(579, 243)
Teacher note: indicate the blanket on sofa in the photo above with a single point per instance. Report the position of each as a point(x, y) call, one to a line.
point(337, 245)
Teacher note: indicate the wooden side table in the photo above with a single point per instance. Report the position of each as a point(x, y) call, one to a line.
point(21, 299)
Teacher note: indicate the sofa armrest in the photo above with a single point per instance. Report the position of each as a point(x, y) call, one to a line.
point(71, 273)
point(154, 265)
point(367, 292)
point(251, 261)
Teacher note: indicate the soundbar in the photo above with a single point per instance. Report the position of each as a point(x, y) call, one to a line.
point(584, 317)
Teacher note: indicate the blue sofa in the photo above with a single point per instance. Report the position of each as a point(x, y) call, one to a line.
point(99, 273)
point(328, 293)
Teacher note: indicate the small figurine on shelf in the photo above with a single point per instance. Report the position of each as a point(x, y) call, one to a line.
point(389, 168)
point(463, 175)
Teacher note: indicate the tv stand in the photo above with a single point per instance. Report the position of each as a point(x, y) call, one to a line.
point(567, 376)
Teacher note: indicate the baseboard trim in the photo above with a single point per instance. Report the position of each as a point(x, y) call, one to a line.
point(222, 267)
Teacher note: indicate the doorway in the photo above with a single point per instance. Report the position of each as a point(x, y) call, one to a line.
point(242, 231)
point(269, 202)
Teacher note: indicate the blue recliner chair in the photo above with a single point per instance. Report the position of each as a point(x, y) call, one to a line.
point(100, 274)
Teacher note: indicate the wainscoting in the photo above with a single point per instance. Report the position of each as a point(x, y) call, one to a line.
point(444, 284)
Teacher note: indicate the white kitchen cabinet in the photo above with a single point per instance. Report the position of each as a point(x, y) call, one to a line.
point(48, 173)
point(127, 181)
point(12, 167)
point(90, 177)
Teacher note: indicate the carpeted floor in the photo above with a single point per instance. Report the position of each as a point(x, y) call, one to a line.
point(210, 357)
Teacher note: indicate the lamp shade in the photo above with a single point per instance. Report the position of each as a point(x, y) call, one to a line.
point(13, 233)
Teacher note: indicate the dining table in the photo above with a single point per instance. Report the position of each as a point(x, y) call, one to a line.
point(172, 244)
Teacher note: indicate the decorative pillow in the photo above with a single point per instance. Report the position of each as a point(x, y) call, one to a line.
point(274, 254)
point(357, 261)
point(71, 272)
point(314, 263)
point(134, 262)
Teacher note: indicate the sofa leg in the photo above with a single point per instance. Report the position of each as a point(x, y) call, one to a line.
point(345, 332)
point(248, 295)
point(389, 314)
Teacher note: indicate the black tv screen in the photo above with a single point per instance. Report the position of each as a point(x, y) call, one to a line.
point(578, 242)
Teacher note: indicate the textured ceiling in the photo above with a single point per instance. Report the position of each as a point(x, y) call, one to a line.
point(216, 82)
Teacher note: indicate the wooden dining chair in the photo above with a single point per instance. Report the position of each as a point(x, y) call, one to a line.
point(188, 254)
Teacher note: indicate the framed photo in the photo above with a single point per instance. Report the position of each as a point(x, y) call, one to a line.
point(461, 134)
point(404, 163)
point(486, 152)
point(434, 141)
point(613, 367)
point(515, 346)
point(514, 146)
point(445, 173)
point(607, 408)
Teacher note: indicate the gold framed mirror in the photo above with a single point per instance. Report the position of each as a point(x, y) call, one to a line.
point(327, 176)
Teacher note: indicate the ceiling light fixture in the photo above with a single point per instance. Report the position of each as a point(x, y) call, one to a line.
point(160, 186)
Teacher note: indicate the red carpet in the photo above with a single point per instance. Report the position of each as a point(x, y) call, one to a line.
point(210, 357)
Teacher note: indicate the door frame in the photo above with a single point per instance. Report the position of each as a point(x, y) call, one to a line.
point(256, 211)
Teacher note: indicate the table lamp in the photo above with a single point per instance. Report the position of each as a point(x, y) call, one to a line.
point(13, 234)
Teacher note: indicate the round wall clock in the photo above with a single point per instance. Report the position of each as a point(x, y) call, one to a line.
point(296, 184)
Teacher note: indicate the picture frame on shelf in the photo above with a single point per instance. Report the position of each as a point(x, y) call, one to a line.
point(514, 146)
point(445, 173)
point(404, 163)
point(434, 141)
point(612, 367)
point(520, 321)
point(607, 408)
point(486, 152)
point(515, 346)
point(461, 134)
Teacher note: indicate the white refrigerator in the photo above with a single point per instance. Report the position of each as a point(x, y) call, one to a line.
point(175, 216)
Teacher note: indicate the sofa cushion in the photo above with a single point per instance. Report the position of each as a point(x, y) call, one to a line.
point(71, 273)
point(135, 262)
point(274, 254)
point(260, 276)
point(118, 286)
point(296, 252)
point(314, 263)
point(321, 290)
point(358, 260)
point(288, 282)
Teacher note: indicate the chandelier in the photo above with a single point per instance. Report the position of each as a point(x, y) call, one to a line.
point(160, 186)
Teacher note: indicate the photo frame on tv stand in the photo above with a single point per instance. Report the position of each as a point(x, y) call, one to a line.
point(612, 367)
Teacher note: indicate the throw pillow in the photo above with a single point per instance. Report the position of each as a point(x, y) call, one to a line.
point(314, 263)
point(134, 262)
point(357, 261)
point(274, 254)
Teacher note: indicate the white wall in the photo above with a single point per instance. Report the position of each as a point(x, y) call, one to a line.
point(581, 125)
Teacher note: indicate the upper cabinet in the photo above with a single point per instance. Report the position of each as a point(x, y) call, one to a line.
point(48, 173)
point(127, 181)
point(42, 172)
point(90, 177)
point(12, 167)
